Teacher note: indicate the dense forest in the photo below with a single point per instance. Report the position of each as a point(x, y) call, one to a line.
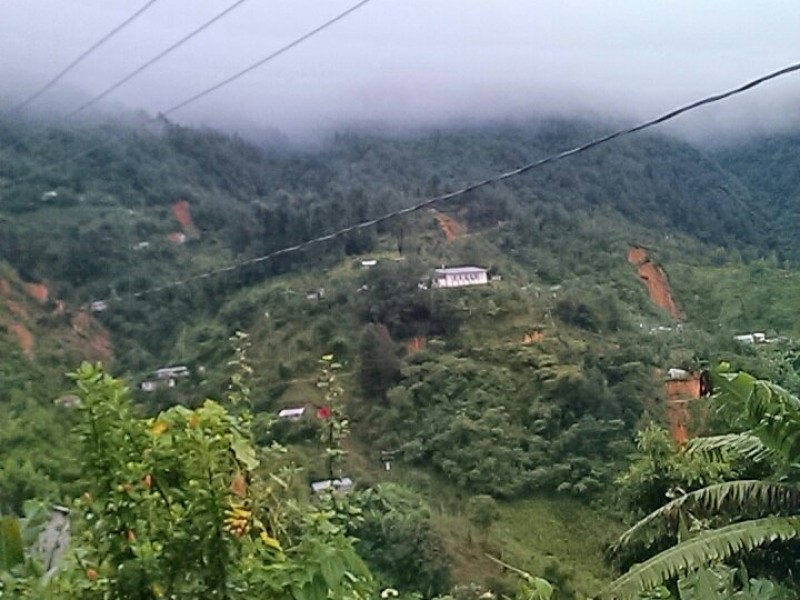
point(485, 429)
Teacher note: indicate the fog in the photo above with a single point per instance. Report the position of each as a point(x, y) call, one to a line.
point(414, 63)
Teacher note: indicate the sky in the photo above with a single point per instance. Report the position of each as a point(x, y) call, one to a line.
point(415, 63)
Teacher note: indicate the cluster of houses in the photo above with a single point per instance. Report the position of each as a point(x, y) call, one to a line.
point(165, 377)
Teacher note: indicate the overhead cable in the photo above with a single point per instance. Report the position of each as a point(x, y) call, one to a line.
point(264, 60)
point(283, 49)
point(476, 185)
point(154, 60)
point(79, 59)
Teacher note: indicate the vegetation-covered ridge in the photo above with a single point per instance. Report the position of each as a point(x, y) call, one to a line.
point(471, 409)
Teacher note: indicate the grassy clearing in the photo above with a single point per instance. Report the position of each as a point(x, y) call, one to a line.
point(557, 538)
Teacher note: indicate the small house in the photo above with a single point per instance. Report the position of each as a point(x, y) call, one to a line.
point(68, 401)
point(292, 414)
point(366, 264)
point(459, 277)
point(151, 385)
point(751, 338)
point(677, 374)
point(315, 294)
point(171, 372)
point(51, 195)
point(98, 306)
point(343, 485)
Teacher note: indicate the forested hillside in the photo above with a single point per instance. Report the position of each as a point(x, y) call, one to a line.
point(480, 407)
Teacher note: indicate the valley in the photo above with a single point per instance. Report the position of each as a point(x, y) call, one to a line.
point(604, 272)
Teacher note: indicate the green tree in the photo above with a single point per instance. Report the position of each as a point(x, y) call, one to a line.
point(398, 541)
point(378, 365)
point(483, 511)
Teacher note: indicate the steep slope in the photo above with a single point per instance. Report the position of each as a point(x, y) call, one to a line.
point(45, 328)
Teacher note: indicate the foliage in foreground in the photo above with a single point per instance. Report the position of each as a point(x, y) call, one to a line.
point(773, 416)
point(181, 506)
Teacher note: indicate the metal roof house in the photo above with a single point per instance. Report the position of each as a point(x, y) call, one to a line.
point(756, 337)
point(292, 414)
point(343, 485)
point(459, 277)
point(171, 372)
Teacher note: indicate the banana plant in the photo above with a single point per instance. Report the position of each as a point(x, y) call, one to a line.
point(772, 417)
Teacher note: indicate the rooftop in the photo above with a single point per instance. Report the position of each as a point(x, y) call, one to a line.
point(459, 270)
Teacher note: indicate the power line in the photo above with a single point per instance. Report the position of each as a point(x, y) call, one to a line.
point(266, 59)
point(80, 58)
point(154, 60)
point(203, 93)
point(476, 185)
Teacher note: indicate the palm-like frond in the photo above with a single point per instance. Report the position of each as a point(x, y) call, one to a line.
point(773, 412)
point(764, 496)
point(745, 445)
point(711, 546)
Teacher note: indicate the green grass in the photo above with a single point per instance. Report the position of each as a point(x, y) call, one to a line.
point(560, 534)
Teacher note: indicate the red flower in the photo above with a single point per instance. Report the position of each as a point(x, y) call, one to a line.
point(324, 412)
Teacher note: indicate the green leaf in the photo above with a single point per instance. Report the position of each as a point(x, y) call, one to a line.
point(711, 546)
point(244, 453)
point(730, 495)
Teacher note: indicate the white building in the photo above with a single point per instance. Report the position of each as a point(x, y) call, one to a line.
point(151, 385)
point(292, 414)
point(98, 306)
point(751, 338)
point(459, 277)
point(678, 374)
point(343, 485)
point(171, 372)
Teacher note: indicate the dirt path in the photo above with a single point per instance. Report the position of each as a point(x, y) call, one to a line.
point(656, 281)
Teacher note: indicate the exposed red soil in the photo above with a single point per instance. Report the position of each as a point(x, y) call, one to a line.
point(26, 302)
point(416, 344)
point(24, 337)
point(656, 280)
point(451, 228)
point(533, 337)
point(38, 291)
point(180, 210)
point(680, 394)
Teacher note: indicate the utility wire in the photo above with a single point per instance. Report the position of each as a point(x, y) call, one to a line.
point(201, 94)
point(264, 60)
point(80, 58)
point(478, 184)
point(154, 60)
